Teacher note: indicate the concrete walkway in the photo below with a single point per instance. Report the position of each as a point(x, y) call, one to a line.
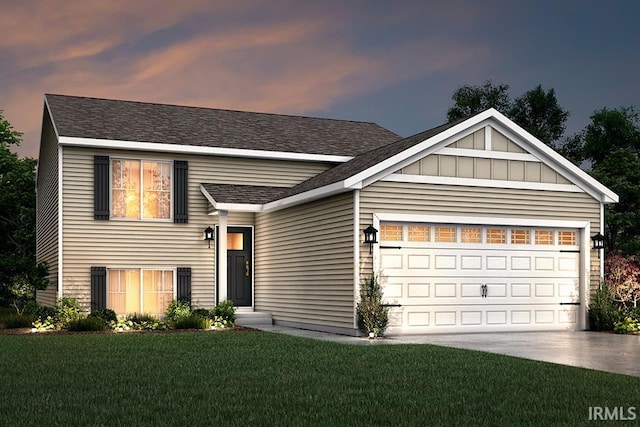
point(607, 352)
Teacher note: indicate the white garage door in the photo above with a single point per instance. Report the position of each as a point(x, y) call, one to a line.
point(458, 278)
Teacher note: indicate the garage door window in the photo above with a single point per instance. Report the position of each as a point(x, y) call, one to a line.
point(567, 238)
point(471, 235)
point(497, 236)
point(419, 233)
point(445, 234)
point(391, 232)
point(520, 237)
point(544, 237)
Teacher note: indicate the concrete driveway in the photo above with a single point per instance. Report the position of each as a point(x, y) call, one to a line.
point(608, 352)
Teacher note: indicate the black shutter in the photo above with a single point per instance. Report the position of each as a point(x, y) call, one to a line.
point(98, 287)
point(184, 284)
point(101, 188)
point(180, 191)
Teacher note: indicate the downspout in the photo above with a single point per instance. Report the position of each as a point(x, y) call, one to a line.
point(356, 253)
point(60, 221)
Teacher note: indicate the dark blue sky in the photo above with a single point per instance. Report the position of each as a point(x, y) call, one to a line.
point(396, 63)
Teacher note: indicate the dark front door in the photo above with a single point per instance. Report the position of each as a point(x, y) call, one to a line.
point(239, 265)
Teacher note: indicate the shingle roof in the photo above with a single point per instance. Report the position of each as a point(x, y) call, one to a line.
point(364, 161)
point(245, 194)
point(171, 124)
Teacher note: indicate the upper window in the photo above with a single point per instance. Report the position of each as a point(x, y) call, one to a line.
point(567, 238)
point(544, 237)
point(497, 235)
point(520, 237)
point(470, 235)
point(445, 234)
point(140, 189)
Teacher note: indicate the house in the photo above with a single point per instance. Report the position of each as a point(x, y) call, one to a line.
point(481, 227)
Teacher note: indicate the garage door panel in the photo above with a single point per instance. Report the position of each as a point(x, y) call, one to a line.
point(439, 286)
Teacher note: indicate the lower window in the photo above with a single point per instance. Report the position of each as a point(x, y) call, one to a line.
point(145, 291)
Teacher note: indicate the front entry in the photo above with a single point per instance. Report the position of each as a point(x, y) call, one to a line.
point(239, 266)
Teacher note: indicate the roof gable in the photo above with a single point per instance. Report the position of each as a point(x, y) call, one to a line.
point(127, 121)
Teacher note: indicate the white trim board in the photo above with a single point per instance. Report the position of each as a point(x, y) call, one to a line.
point(475, 182)
point(192, 149)
point(501, 155)
point(477, 220)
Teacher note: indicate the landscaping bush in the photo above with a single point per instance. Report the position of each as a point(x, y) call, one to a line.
point(43, 311)
point(202, 312)
point(627, 326)
point(17, 321)
point(105, 314)
point(193, 321)
point(603, 311)
point(177, 310)
point(90, 323)
point(224, 312)
point(372, 315)
point(68, 310)
point(138, 322)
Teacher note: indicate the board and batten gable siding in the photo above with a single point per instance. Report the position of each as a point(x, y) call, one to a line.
point(450, 200)
point(121, 243)
point(47, 210)
point(304, 263)
point(484, 168)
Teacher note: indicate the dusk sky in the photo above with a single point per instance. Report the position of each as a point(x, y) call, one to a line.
point(395, 63)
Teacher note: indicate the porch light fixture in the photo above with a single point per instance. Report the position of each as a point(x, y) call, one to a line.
point(598, 241)
point(208, 235)
point(370, 237)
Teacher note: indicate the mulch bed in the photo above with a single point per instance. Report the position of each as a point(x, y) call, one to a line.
point(27, 331)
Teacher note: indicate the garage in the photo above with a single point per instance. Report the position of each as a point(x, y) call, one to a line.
point(440, 277)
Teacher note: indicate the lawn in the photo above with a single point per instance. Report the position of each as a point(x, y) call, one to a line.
point(250, 377)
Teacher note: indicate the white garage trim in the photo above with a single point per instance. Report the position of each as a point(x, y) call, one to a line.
point(583, 228)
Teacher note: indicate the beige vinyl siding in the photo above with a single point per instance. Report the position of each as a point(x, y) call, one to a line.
point(122, 243)
point(448, 200)
point(47, 210)
point(474, 141)
point(304, 263)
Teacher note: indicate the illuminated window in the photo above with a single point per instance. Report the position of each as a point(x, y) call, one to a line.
point(544, 237)
point(419, 233)
point(567, 238)
point(140, 189)
point(390, 232)
point(520, 237)
point(140, 291)
point(496, 235)
point(235, 241)
point(470, 235)
point(445, 234)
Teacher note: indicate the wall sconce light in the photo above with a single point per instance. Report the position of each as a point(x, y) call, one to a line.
point(208, 235)
point(370, 237)
point(598, 241)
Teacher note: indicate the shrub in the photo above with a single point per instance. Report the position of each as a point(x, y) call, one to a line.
point(90, 323)
point(202, 312)
point(48, 323)
point(193, 321)
point(224, 312)
point(603, 312)
point(44, 311)
point(68, 310)
point(31, 308)
point(105, 314)
point(372, 315)
point(17, 321)
point(622, 274)
point(137, 322)
point(177, 310)
point(627, 326)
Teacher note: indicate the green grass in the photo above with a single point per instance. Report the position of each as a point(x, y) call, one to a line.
point(246, 377)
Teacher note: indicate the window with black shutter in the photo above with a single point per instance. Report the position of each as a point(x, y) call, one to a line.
point(101, 188)
point(184, 284)
point(98, 287)
point(181, 191)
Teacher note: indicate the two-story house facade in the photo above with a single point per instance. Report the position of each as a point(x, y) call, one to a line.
point(480, 225)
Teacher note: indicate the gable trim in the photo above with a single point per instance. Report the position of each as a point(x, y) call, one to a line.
point(192, 149)
point(473, 182)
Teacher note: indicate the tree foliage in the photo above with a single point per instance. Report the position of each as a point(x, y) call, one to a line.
point(20, 275)
point(610, 147)
point(539, 113)
point(470, 100)
point(622, 275)
point(372, 314)
point(537, 110)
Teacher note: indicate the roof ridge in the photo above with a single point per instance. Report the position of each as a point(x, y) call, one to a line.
point(210, 108)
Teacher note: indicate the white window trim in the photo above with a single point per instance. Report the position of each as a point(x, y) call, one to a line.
point(141, 160)
point(174, 270)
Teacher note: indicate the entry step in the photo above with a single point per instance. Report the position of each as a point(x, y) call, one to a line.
point(253, 318)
